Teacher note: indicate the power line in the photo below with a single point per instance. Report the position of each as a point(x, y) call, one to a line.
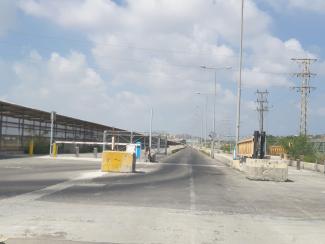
point(304, 89)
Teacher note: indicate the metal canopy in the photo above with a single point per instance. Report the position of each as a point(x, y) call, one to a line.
point(21, 112)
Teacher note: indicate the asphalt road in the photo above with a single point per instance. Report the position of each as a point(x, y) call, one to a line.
point(186, 198)
point(23, 175)
point(189, 180)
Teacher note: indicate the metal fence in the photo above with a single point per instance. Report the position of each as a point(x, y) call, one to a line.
point(19, 125)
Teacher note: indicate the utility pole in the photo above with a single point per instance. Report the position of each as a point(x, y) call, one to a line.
point(150, 130)
point(104, 140)
point(131, 137)
point(304, 90)
point(214, 102)
point(206, 121)
point(202, 128)
point(205, 115)
point(240, 74)
point(262, 106)
point(260, 136)
point(53, 117)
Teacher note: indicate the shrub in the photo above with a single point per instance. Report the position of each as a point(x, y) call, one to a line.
point(297, 146)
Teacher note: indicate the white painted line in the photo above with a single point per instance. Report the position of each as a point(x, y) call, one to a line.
point(31, 196)
point(90, 185)
point(90, 175)
point(192, 190)
point(193, 165)
point(13, 167)
point(70, 158)
point(192, 202)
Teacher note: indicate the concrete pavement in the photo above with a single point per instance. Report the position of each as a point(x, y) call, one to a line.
point(186, 198)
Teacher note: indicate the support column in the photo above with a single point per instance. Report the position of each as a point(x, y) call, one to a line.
point(40, 129)
point(22, 133)
point(1, 131)
point(19, 135)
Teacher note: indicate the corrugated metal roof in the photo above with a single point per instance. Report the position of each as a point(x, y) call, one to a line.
point(18, 111)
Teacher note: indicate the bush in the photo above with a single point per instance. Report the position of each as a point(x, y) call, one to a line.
point(226, 148)
point(297, 147)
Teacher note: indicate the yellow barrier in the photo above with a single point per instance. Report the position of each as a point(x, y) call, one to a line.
point(54, 150)
point(31, 148)
point(246, 147)
point(116, 161)
point(276, 150)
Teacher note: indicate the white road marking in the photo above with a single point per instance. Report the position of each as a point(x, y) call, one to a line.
point(192, 203)
point(90, 185)
point(30, 196)
point(192, 190)
point(193, 165)
point(98, 159)
point(13, 167)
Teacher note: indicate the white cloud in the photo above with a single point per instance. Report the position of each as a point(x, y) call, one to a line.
point(65, 82)
point(150, 52)
point(306, 5)
point(7, 16)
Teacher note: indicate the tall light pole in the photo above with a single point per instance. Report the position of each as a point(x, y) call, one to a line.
point(214, 102)
point(150, 130)
point(202, 127)
point(240, 74)
point(205, 115)
point(199, 112)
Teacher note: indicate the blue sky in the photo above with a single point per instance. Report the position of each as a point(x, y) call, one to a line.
point(298, 23)
point(110, 62)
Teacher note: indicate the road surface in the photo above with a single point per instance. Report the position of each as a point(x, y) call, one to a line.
point(186, 198)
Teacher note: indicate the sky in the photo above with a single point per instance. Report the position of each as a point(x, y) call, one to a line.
point(111, 61)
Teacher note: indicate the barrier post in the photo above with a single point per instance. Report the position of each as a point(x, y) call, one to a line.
point(31, 148)
point(54, 150)
point(298, 164)
point(113, 143)
point(77, 151)
point(166, 145)
point(95, 152)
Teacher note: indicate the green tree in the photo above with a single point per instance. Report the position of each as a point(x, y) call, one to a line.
point(226, 148)
point(297, 146)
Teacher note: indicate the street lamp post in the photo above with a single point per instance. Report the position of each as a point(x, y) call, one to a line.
point(205, 116)
point(150, 129)
point(206, 119)
point(240, 75)
point(214, 102)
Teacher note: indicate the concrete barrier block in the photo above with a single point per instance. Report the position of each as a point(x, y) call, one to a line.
point(238, 165)
point(309, 166)
point(224, 158)
point(205, 151)
point(235, 164)
point(115, 161)
point(320, 168)
point(266, 169)
point(288, 162)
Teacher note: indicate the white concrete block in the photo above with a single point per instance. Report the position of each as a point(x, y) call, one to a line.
point(266, 169)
